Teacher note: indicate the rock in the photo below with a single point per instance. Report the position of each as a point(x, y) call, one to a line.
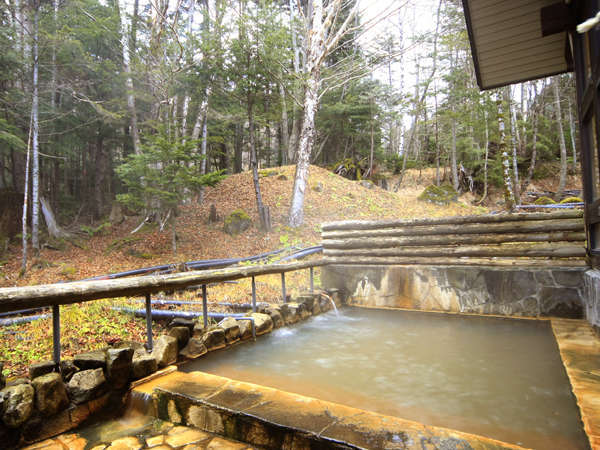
point(165, 350)
point(41, 368)
point(275, 315)
point(237, 222)
point(50, 393)
point(213, 217)
point(116, 214)
point(182, 334)
point(213, 339)
point(9, 437)
point(231, 329)
point(262, 323)
point(439, 195)
point(125, 443)
point(142, 364)
point(316, 309)
point(198, 329)
point(318, 187)
point(308, 300)
point(282, 177)
point(86, 385)
point(2, 379)
point(118, 366)
point(366, 184)
point(245, 329)
point(194, 349)
point(182, 322)
point(17, 381)
point(18, 404)
point(294, 313)
point(288, 314)
point(67, 369)
point(90, 360)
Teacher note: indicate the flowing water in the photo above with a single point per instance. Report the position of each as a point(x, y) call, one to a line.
point(501, 378)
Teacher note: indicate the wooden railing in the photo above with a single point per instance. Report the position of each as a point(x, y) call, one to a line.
point(55, 295)
point(531, 239)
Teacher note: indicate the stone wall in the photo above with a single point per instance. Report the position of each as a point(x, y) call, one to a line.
point(591, 281)
point(532, 292)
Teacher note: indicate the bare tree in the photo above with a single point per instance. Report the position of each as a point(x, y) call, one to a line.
point(35, 166)
point(509, 197)
point(561, 137)
point(321, 40)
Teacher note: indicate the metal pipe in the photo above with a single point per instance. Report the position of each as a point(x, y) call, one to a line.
point(204, 307)
point(162, 314)
point(56, 334)
point(20, 311)
point(558, 206)
point(192, 302)
point(149, 343)
point(283, 287)
point(20, 320)
point(253, 295)
point(312, 280)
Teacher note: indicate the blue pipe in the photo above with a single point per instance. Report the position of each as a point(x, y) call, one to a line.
point(19, 320)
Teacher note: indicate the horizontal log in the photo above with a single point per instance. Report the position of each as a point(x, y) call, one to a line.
point(504, 262)
point(530, 226)
point(451, 239)
point(16, 298)
point(454, 220)
point(518, 250)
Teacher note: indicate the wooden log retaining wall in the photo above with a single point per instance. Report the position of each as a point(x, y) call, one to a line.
point(531, 239)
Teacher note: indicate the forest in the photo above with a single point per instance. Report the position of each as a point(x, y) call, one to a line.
point(141, 105)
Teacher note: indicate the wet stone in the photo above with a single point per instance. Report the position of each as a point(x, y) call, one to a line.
point(126, 443)
point(194, 349)
point(143, 364)
point(198, 329)
point(50, 393)
point(165, 351)
point(90, 360)
point(182, 322)
point(179, 436)
point(213, 339)
point(155, 441)
point(293, 316)
point(231, 329)
point(18, 404)
point(86, 385)
point(41, 368)
point(182, 334)
point(275, 315)
point(67, 369)
point(17, 381)
point(262, 323)
point(118, 366)
point(245, 329)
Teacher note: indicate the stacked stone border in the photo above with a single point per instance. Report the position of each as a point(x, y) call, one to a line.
point(54, 400)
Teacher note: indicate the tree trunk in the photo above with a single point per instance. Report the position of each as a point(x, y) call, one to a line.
point(509, 198)
point(513, 140)
point(572, 133)
point(535, 112)
point(285, 136)
point(35, 193)
point(563, 148)
point(485, 161)
point(100, 176)
point(125, 37)
point(254, 163)
point(238, 149)
point(25, 205)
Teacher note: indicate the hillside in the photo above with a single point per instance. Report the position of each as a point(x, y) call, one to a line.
point(114, 249)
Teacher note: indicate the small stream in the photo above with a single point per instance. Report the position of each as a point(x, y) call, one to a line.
point(501, 378)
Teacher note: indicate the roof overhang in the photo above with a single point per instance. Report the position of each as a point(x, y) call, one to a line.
point(511, 43)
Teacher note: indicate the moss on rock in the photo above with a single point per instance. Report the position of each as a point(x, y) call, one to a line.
point(544, 201)
point(439, 195)
point(237, 222)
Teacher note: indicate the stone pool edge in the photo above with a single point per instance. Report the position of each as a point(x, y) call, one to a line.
point(273, 419)
point(579, 348)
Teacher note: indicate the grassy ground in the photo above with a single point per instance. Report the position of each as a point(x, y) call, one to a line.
point(112, 249)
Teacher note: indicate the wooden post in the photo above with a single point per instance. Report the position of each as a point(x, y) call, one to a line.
point(56, 334)
point(312, 280)
point(253, 295)
point(204, 307)
point(149, 343)
point(283, 287)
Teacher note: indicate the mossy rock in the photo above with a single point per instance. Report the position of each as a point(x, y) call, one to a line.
point(267, 173)
point(544, 201)
point(439, 195)
point(237, 222)
point(571, 200)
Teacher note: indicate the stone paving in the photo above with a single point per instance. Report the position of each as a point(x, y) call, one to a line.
point(158, 435)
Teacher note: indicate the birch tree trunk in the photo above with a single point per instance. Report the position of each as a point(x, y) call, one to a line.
point(572, 132)
point(321, 40)
point(513, 141)
point(25, 204)
point(485, 161)
point(563, 148)
point(35, 192)
point(534, 113)
point(509, 198)
point(285, 136)
point(125, 37)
